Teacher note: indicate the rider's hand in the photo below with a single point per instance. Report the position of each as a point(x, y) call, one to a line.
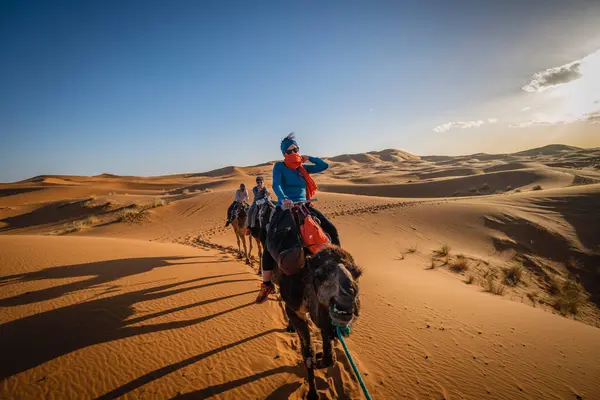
point(287, 203)
point(305, 159)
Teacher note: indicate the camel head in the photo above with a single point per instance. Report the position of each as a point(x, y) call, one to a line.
point(335, 277)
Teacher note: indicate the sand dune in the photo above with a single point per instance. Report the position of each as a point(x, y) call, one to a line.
point(160, 307)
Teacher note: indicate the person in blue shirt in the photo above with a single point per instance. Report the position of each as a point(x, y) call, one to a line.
point(293, 185)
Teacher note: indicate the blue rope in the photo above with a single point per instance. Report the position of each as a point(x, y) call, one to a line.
point(345, 331)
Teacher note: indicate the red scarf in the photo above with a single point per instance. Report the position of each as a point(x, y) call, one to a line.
point(294, 161)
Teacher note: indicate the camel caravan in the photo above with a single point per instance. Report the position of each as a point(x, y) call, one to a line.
point(317, 279)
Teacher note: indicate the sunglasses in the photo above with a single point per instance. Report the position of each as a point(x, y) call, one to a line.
point(294, 150)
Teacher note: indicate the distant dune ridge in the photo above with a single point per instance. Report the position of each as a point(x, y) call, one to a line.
point(481, 280)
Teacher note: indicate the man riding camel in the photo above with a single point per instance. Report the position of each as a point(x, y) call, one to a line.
point(259, 192)
point(241, 198)
point(293, 184)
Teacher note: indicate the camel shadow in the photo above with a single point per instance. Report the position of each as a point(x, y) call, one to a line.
point(281, 393)
point(36, 339)
point(100, 273)
point(209, 391)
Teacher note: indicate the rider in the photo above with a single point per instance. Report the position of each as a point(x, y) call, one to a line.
point(241, 197)
point(292, 184)
point(260, 192)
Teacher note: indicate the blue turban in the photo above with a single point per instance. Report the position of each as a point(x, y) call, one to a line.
point(286, 143)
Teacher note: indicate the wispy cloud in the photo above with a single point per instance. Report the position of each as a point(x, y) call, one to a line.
point(553, 77)
point(529, 124)
point(463, 125)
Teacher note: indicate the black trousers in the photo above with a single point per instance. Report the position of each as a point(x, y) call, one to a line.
point(268, 262)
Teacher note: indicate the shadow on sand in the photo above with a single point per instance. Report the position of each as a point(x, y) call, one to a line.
point(36, 339)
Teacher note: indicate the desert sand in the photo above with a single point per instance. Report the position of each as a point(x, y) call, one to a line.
point(482, 280)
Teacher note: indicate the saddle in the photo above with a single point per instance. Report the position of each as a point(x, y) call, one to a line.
point(292, 236)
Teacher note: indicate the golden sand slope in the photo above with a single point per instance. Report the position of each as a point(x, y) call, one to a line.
point(90, 317)
point(92, 306)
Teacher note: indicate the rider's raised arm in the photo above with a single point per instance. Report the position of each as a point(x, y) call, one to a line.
point(277, 177)
point(318, 165)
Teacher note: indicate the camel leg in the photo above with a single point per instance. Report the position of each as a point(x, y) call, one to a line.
point(237, 237)
point(327, 334)
point(250, 251)
point(245, 249)
point(307, 352)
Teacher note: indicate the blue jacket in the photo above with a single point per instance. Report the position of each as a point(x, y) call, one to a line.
point(289, 183)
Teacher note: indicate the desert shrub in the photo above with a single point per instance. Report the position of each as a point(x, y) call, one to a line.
point(570, 299)
point(461, 264)
point(432, 263)
point(509, 188)
point(518, 191)
point(412, 249)
point(78, 225)
point(131, 215)
point(485, 187)
point(470, 279)
point(156, 202)
point(513, 275)
point(532, 296)
point(554, 286)
point(537, 187)
point(443, 251)
point(493, 287)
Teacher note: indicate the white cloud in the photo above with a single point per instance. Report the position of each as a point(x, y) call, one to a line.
point(565, 94)
point(553, 77)
point(463, 125)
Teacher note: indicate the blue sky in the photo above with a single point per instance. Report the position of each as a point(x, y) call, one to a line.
point(148, 88)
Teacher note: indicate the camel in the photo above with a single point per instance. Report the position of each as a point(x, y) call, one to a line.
point(326, 287)
point(239, 228)
point(262, 208)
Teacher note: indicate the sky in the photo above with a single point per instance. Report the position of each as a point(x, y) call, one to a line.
point(159, 87)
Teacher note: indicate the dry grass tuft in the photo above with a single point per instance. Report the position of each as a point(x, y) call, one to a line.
point(156, 202)
point(570, 299)
point(554, 286)
point(537, 187)
point(518, 191)
point(513, 274)
point(432, 263)
point(443, 251)
point(131, 215)
point(470, 279)
point(412, 249)
point(532, 296)
point(493, 287)
point(461, 264)
point(509, 188)
point(78, 225)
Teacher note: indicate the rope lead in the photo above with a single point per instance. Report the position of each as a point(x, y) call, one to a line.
point(345, 331)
